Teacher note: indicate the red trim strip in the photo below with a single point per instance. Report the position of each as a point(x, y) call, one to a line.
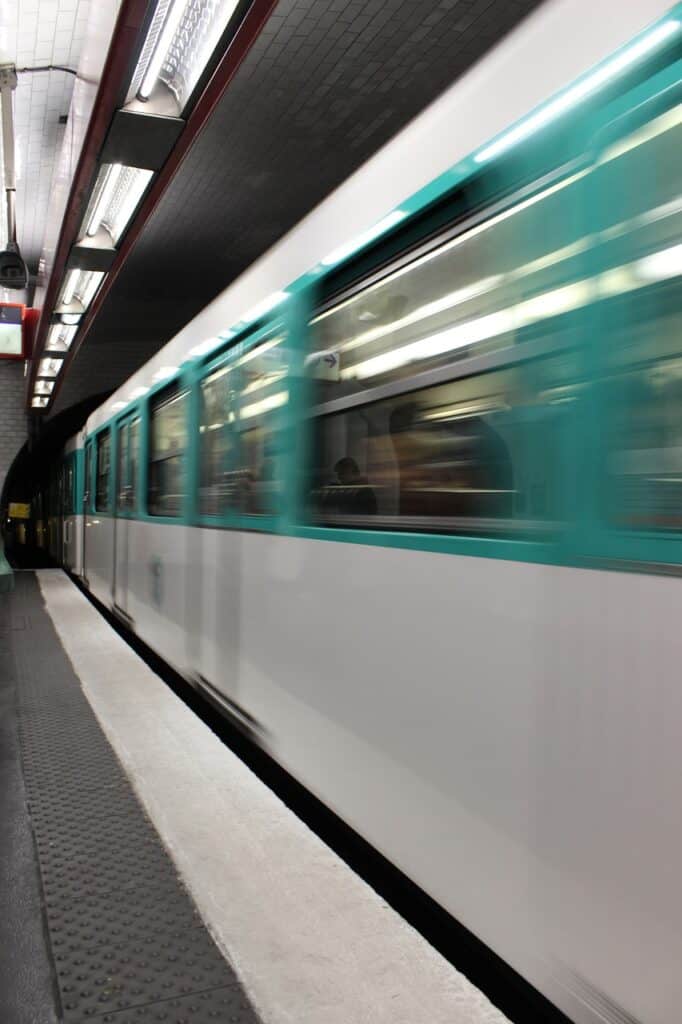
point(241, 43)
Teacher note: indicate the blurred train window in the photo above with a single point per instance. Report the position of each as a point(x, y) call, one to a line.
point(134, 445)
point(168, 441)
point(478, 455)
point(69, 488)
point(262, 394)
point(122, 474)
point(216, 442)
point(639, 203)
point(239, 464)
point(496, 283)
point(102, 471)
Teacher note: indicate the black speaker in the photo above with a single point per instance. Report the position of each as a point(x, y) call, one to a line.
point(13, 272)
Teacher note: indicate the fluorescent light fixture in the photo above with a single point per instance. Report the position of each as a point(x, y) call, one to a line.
point(70, 286)
point(180, 42)
point(116, 195)
point(583, 88)
point(360, 241)
point(106, 187)
point(164, 372)
point(44, 387)
point(39, 402)
point(81, 285)
point(70, 318)
point(49, 367)
point(266, 306)
point(264, 405)
point(171, 23)
point(660, 266)
point(59, 338)
point(117, 406)
point(138, 392)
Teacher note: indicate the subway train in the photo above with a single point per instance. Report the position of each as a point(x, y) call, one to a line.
point(406, 501)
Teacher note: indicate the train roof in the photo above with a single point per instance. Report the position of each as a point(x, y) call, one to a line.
point(548, 50)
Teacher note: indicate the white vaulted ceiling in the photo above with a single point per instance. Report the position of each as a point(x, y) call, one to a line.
point(39, 33)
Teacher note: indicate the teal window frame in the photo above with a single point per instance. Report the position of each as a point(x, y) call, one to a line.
point(230, 518)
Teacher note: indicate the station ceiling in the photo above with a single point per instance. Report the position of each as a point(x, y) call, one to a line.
point(325, 85)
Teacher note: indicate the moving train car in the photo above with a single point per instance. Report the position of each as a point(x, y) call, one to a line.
point(412, 514)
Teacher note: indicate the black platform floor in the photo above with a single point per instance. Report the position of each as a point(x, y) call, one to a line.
point(94, 922)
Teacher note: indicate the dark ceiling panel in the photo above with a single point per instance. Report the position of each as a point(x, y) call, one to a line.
point(326, 84)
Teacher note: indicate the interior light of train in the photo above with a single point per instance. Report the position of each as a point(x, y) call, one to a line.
point(450, 301)
point(264, 405)
point(117, 406)
point(43, 387)
point(186, 40)
point(266, 306)
point(70, 318)
point(49, 367)
point(552, 303)
point(589, 84)
point(39, 402)
point(360, 241)
point(164, 372)
point(662, 265)
point(466, 236)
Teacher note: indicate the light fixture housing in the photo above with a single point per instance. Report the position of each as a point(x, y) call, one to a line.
point(80, 287)
point(48, 367)
point(115, 198)
point(59, 338)
point(43, 387)
point(181, 41)
point(39, 402)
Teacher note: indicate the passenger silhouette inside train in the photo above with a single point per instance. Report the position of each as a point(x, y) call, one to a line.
point(455, 467)
point(351, 492)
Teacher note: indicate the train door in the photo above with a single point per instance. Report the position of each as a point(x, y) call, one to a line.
point(86, 505)
point(214, 637)
point(126, 480)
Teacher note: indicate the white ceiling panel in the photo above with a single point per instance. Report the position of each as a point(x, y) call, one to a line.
point(38, 33)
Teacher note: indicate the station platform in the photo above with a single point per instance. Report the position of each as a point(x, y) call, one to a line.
point(147, 874)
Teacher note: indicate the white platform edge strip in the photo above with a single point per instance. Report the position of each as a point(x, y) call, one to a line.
point(309, 940)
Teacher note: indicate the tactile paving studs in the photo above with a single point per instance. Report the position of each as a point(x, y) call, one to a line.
point(128, 944)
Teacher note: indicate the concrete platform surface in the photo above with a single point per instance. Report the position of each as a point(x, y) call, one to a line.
point(311, 943)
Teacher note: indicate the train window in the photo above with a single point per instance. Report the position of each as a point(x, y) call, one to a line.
point(168, 441)
point(134, 461)
point(476, 455)
point(637, 185)
point(262, 394)
point(494, 284)
point(128, 446)
point(69, 503)
point(239, 456)
point(216, 442)
point(102, 472)
point(87, 490)
point(123, 482)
